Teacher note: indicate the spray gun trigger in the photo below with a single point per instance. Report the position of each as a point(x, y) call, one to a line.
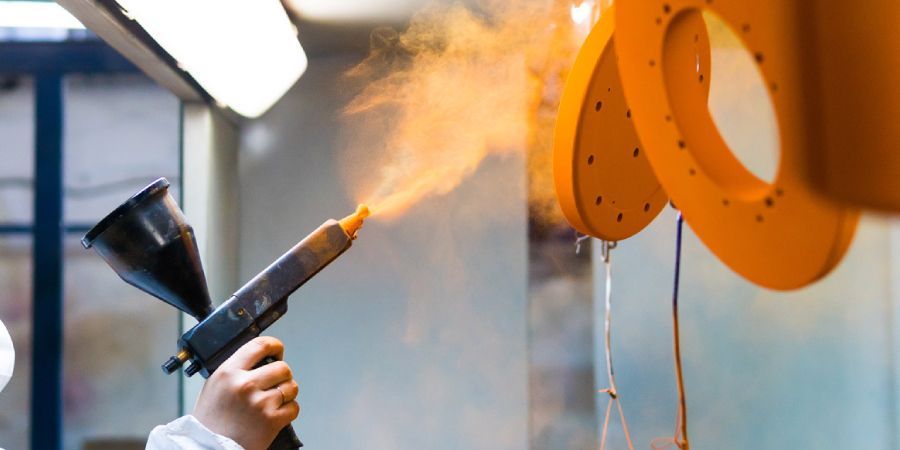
point(192, 369)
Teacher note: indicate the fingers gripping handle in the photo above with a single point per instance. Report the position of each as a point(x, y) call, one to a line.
point(287, 438)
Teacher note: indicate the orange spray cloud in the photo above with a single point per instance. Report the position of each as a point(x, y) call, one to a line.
point(454, 88)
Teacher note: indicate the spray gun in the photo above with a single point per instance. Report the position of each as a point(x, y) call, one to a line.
point(148, 243)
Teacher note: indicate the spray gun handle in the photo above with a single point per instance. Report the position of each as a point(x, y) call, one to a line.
point(287, 438)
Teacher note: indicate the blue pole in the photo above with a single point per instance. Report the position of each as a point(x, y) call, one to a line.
point(47, 318)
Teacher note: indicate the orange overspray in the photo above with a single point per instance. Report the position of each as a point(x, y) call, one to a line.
point(456, 87)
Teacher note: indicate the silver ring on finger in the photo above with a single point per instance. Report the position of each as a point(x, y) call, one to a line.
point(283, 397)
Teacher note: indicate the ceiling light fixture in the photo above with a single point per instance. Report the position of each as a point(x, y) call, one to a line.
point(22, 14)
point(244, 53)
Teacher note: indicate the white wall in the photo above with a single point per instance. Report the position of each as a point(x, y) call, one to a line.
point(416, 338)
point(808, 369)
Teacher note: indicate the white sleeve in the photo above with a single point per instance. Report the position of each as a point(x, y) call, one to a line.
point(187, 433)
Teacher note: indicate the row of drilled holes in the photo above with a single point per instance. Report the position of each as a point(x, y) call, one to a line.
point(637, 151)
point(759, 57)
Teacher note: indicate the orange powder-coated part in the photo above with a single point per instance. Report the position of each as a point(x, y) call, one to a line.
point(777, 235)
point(850, 58)
point(604, 183)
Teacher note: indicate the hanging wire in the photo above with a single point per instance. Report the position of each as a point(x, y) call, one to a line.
point(612, 391)
point(680, 437)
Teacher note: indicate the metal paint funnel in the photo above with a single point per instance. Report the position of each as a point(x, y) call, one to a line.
point(148, 243)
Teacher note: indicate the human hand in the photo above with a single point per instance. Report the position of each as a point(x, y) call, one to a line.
point(249, 405)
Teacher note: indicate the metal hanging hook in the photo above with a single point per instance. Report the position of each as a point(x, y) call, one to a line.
point(605, 249)
point(579, 238)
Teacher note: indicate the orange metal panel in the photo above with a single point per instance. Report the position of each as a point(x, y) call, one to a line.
point(777, 235)
point(851, 61)
point(604, 183)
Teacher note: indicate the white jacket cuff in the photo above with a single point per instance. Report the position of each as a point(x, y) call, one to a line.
point(187, 433)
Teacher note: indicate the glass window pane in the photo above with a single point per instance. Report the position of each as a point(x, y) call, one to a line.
point(15, 311)
point(121, 132)
point(17, 149)
point(116, 338)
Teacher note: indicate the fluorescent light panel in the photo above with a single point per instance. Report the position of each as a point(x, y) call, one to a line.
point(36, 15)
point(355, 10)
point(244, 53)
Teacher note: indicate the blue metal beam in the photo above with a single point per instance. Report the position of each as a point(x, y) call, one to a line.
point(90, 56)
point(47, 310)
point(21, 228)
point(15, 228)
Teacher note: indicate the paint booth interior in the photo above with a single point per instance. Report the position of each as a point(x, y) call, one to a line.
point(540, 193)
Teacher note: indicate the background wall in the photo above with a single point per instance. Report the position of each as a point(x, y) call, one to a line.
point(416, 338)
point(809, 369)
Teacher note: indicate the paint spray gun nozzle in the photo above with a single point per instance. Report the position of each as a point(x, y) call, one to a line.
point(352, 223)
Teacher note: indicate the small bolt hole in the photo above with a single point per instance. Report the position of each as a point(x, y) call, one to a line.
point(619, 217)
point(646, 207)
point(770, 202)
point(759, 57)
point(681, 144)
point(597, 106)
point(759, 218)
point(598, 200)
point(590, 160)
point(636, 152)
point(726, 202)
point(628, 114)
point(666, 8)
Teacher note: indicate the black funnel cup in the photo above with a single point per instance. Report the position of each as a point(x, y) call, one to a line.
point(147, 241)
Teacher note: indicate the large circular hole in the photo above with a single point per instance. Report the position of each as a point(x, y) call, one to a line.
point(739, 99)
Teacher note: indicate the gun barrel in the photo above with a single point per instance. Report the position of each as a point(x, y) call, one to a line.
point(263, 300)
point(297, 266)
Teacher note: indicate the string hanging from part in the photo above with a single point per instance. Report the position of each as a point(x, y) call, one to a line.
point(612, 391)
point(680, 438)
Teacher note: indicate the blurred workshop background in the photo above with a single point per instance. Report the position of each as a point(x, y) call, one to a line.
point(467, 322)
